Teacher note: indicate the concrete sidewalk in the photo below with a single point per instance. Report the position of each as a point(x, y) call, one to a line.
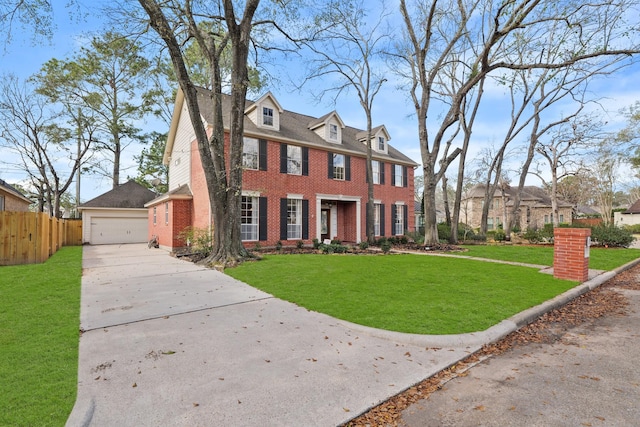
point(167, 342)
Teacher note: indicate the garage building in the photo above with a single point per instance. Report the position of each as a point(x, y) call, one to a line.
point(117, 216)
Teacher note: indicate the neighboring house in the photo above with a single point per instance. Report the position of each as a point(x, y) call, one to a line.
point(534, 212)
point(117, 216)
point(12, 200)
point(629, 217)
point(304, 178)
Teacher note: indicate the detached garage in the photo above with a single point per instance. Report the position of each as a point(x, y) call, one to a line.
point(118, 216)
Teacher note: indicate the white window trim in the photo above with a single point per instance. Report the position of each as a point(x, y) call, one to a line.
point(256, 154)
point(343, 167)
point(401, 180)
point(294, 230)
point(292, 159)
point(255, 220)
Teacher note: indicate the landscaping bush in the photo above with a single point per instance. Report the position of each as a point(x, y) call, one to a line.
point(316, 243)
point(278, 245)
point(363, 245)
point(634, 229)
point(532, 236)
point(611, 236)
point(299, 244)
point(499, 236)
point(199, 240)
point(385, 246)
point(334, 248)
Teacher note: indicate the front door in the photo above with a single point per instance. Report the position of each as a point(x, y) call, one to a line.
point(325, 224)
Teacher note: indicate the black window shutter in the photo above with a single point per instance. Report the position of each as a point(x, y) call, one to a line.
point(283, 158)
point(382, 220)
point(330, 164)
point(404, 177)
point(262, 154)
point(262, 219)
point(347, 168)
point(305, 219)
point(381, 173)
point(393, 174)
point(393, 219)
point(406, 218)
point(305, 161)
point(283, 219)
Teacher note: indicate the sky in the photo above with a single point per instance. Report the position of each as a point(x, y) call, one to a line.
point(24, 57)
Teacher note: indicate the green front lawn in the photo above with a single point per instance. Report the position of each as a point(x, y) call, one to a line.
point(406, 293)
point(599, 258)
point(39, 317)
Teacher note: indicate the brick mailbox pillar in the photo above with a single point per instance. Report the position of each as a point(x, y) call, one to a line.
point(571, 253)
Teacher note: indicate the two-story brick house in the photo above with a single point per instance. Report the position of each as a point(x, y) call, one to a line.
point(535, 208)
point(304, 178)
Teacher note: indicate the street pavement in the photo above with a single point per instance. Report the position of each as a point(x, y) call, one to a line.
point(167, 342)
point(589, 377)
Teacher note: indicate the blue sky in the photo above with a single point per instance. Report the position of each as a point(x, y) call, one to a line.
point(392, 108)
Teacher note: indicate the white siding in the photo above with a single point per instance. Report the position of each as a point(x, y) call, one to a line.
point(180, 163)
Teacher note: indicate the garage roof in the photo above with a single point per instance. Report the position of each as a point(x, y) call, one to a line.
point(129, 195)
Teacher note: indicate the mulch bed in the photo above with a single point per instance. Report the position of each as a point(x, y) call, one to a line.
point(549, 328)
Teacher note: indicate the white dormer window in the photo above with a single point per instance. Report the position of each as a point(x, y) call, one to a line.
point(267, 116)
point(333, 132)
point(381, 142)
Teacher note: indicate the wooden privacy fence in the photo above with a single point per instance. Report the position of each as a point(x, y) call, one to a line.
point(32, 237)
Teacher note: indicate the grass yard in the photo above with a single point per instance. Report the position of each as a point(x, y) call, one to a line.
point(39, 318)
point(599, 258)
point(406, 293)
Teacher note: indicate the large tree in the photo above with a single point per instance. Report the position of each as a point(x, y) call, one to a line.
point(177, 22)
point(438, 33)
point(42, 140)
point(109, 78)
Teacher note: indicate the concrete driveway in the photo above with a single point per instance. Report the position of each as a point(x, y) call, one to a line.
point(166, 342)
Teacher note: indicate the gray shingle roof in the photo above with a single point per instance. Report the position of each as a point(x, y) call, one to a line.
point(634, 208)
point(11, 189)
point(129, 195)
point(295, 127)
point(531, 195)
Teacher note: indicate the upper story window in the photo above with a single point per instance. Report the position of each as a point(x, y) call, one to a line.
point(294, 160)
point(338, 166)
point(381, 142)
point(250, 154)
point(267, 116)
point(333, 132)
point(398, 175)
point(375, 168)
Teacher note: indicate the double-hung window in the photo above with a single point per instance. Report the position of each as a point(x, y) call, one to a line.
point(375, 167)
point(250, 153)
point(376, 219)
point(333, 132)
point(398, 224)
point(398, 174)
point(381, 142)
point(294, 219)
point(166, 213)
point(267, 116)
point(338, 166)
point(249, 218)
point(294, 160)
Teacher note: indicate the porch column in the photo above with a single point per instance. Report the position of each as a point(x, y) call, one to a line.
point(359, 221)
point(318, 217)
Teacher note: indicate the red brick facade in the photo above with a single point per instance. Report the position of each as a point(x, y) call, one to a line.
point(571, 253)
point(268, 188)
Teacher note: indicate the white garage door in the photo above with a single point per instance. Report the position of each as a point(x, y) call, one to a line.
point(105, 231)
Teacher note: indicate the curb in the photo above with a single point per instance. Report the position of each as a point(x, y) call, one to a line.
point(496, 332)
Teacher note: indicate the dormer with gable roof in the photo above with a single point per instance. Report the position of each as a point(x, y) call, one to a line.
point(328, 127)
point(379, 138)
point(265, 112)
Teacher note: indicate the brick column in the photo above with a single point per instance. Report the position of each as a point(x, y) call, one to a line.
point(571, 253)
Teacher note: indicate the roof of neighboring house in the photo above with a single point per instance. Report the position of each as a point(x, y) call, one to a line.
point(129, 195)
point(13, 191)
point(532, 196)
point(586, 210)
point(634, 208)
point(293, 127)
